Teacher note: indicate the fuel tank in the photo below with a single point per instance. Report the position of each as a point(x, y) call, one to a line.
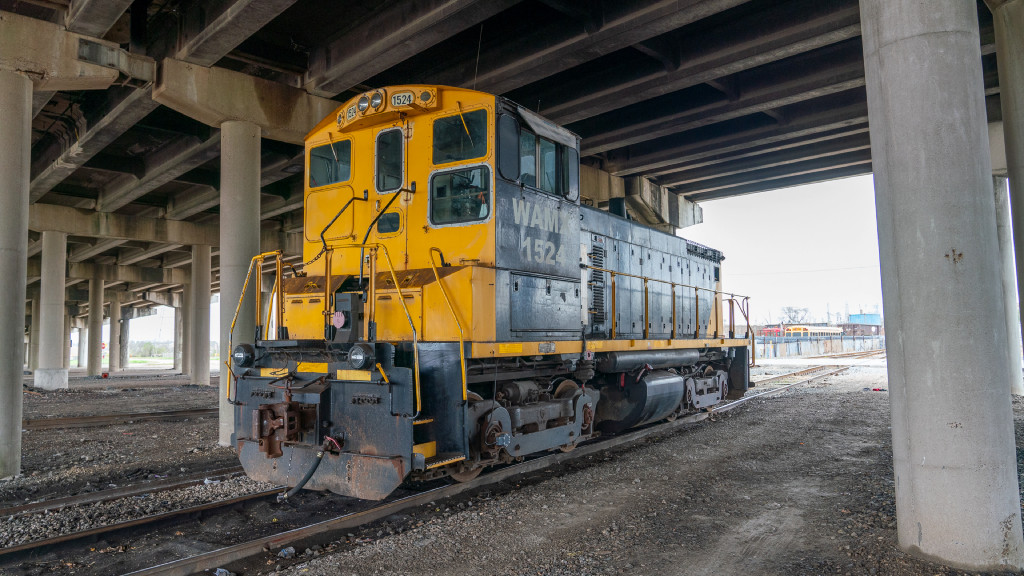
point(635, 360)
point(627, 402)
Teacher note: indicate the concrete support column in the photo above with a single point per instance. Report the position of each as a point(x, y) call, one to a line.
point(83, 343)
point(67, 342)
point(200, 304)
point(51, 374)
point(266, 298)
point(953, 439)
point(176, 351)
point(126, 340)
point(33, 336)
point(15, 141)
point(239, 242)
point(1008, 20)
point(186, 331)
point(114, 335)
point(95, 325)
point(1009, 280)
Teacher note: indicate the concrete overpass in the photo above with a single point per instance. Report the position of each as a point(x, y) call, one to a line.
point(149, 148)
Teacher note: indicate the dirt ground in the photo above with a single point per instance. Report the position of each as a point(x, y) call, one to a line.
point(798, 484)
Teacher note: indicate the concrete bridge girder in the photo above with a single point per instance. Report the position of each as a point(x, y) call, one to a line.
point(214, 96)
point(48, 55)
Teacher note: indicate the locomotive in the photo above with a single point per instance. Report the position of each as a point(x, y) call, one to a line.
point(459, 307)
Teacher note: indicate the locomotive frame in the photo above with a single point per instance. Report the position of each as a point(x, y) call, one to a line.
point(493, 318)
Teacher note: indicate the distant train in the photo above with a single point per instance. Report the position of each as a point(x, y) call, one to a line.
point(801, 331)
point(460, 308)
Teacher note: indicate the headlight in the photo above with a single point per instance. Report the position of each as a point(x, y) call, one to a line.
point(363, 104)
point(376, 100)
point(243, 355)
point(360, 356)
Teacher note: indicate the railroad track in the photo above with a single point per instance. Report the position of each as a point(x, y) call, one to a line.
point(149, 487)
point(125, 492)
point(327, 530)
point(798, 375)
point(111, 419)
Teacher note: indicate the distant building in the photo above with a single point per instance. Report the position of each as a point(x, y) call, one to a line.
point(866, 319)
point(864, 325)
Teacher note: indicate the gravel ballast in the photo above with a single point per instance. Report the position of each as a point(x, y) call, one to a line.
point(798, 484)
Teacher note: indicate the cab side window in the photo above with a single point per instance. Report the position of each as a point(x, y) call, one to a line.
point(459, 196)
point(330, 163)
point(390, 160)
point(548, 166)
point(528, 158)
point(460, 137)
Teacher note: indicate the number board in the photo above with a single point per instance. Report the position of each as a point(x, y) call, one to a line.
point(402, 98)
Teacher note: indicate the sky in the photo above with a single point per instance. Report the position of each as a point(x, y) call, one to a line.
point(160, 327)
point(811, 247)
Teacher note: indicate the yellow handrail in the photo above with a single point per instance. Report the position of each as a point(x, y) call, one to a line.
point(447, 300)
point(412, 325)
point(372, 303)
point(238, 308)
point(646, 279)
point(744, 307)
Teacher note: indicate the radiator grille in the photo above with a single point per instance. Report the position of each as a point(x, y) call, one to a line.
point(597, 313)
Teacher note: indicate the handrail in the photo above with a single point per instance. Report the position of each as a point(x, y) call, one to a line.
point(372, 297)
point(447, 300)
point(412, 325)
point(744, 307)
point(696, 292)
point(238, 308)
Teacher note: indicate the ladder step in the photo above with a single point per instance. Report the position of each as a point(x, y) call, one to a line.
point(423, 421)
point(444, 459)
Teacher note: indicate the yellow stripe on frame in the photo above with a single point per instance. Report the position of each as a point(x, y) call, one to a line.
point(486, 349)
point(317, 367)
point(359, 375)
point(273, 372)
point(510, 348)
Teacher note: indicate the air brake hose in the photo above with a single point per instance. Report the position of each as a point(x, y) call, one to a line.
point(309, 474)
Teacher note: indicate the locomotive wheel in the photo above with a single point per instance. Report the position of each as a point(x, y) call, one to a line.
point(466, 475)
point(566, 389)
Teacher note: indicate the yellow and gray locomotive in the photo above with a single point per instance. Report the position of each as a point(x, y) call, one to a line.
point(459, 307)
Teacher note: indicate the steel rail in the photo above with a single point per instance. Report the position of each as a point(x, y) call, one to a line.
point(855, 354)
point(108, 419)
point(122, 492)
point(804, 372)
point(774, 391)
point(322, 530)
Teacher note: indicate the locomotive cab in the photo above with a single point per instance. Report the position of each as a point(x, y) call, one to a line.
point(458, 307)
